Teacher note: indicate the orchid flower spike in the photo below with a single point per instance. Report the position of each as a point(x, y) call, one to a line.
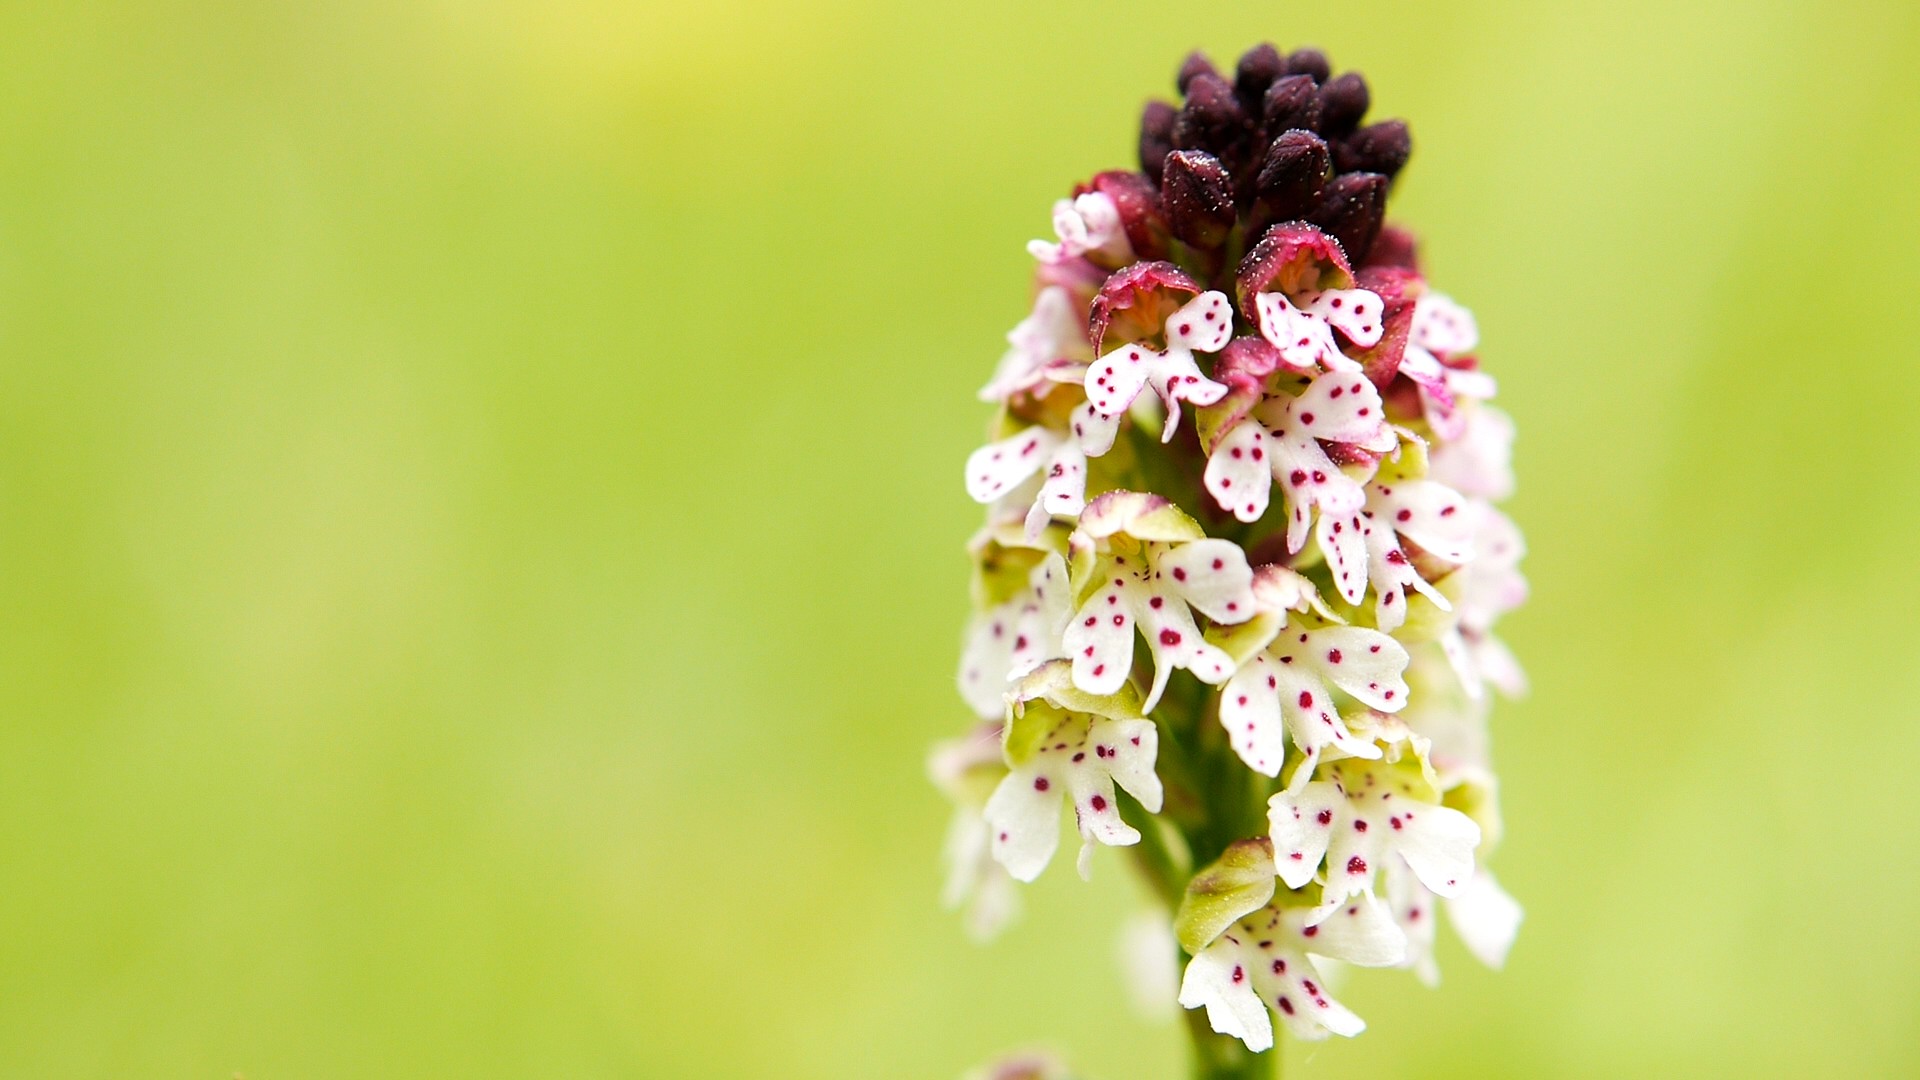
point(1237, 601)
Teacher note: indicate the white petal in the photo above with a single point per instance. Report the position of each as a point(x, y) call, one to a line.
point(1219, 980)
point(1301, 828)
point(1486, 918)
point(996, 468)
point(1357, 313)
point(1250, 712)
point(1211, 575)
point(1442, 326)
point(1309, 480)
point(1176, 378)
point(1100, 638)
point(1304, 342)
point(1480, 461)
point(1438, 843)
point(1130, 747)
point(1238, 473)
point(1042, 618)
point(1063, 492)
point(1361, 933)
point(1023, 815)
point(986, 663)
point(1342, 540)
point(1430, 514)
point(1341, 406)
point(1365, 663)
point(1203, 324)
point(1095, 430)
point(1117, 378)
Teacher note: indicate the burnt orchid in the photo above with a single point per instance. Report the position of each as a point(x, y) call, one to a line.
point(1236, 591)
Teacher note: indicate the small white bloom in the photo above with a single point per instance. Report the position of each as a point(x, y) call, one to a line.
point(1061, 743)
point(1443, 331)
point(965, 770)
point(1001, 470)
point(1365, 813)
point(1050, 340)
point(1480, 462)
point(1262, 963)
point(1490, 586)
point(1154, 583)
point(1366, 547)
point(1012, 638)
point(1203, 324)
point(1280, 443)
point(1304, 334)
point(1484, 916)
point(1288, 688)
point(1088, 224)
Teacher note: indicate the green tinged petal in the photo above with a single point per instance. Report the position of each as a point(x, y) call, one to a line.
point(1239, 882)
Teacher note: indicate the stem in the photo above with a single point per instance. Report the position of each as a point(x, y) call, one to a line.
point(1222, 1057)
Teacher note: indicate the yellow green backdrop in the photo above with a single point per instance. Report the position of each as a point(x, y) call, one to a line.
point(481, 523)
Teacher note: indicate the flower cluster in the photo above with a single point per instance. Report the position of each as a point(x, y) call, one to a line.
point(1241, 537)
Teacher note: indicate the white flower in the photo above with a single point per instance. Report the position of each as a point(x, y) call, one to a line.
point(1001, 470)
point(1285, 687)
point(965, 770)
point(1203, 324)
point(1365, 813)
point(1280, 443)
point(1014, 637)
point(1262, 963)
point(1155, 570)
point(1480, 462)
point(1365, 548)
point(1063, 743)
point(1049, 341)
point(1443, 331)
point(1490, 586)
point(1484, 916)
point(1304, 334)
point(1086, 225)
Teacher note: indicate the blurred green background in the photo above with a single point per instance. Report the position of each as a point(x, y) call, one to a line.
point(480, 529)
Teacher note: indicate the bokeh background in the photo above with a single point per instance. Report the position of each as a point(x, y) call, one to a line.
point(480, 528)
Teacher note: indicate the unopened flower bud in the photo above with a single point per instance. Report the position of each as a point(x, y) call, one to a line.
point(1197, 194)
point(1291, 102)
point(1351, 210)
point(1195, 65)
point(1311, 63)
point(1381, 148)
point(1294, 175)
point(1156, 137)
point(1258, 67)
point(1343, 101)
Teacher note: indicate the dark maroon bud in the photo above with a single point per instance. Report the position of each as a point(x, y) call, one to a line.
point(1343, 101)
point(1311, 63)
point(1293, 176)
point(1197, 196)
point(1259, 66)
point(1351, 211)
point(1211, 119)
point(1381, 148)
point(1156, 137)
point(1138, 201)
point(1291, 102)
point(1195, 66)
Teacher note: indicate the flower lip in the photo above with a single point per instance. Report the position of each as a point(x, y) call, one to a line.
point(1135, 302)
point(1293, 257)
